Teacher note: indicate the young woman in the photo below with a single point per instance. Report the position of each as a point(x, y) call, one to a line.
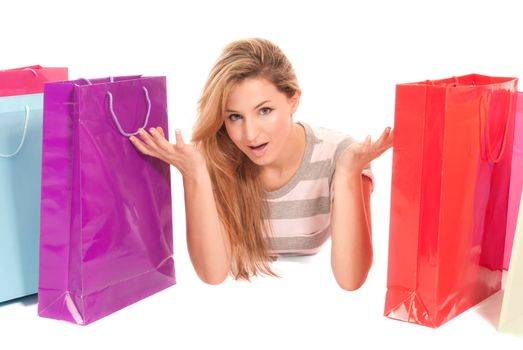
point(257, 184)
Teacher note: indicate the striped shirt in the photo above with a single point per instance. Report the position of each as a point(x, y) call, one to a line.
point(299, 212)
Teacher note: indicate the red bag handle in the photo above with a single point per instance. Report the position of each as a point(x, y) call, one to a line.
point(483, 124)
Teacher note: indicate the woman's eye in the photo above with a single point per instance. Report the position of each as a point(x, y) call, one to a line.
point(234, 117)
point(265, 110)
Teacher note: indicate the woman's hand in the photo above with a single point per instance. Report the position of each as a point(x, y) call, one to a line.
point(185, 157)
point(356, 157)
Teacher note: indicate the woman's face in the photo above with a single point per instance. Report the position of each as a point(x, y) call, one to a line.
point(258, 119)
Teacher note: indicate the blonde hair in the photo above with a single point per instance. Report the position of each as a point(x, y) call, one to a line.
point(238, 192)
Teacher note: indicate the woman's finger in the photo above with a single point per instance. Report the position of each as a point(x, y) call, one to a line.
point(160, 130)
point(147, 139)
point(383, 135)
point(140, 145)
point(160, 141)
point(385, 140)
point(179, 138)
point(391, 136)
point(145, 149)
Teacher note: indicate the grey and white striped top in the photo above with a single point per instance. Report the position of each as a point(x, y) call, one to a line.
point(300, 210)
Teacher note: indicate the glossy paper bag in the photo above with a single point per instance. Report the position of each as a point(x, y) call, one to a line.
point(20, 164)
point(28, 80)
point(106, 235)
point(516, 180)
point(450, 177)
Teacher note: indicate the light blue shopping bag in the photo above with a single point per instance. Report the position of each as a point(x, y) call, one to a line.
point(20, 171)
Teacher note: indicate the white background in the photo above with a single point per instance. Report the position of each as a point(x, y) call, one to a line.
point(348, 57)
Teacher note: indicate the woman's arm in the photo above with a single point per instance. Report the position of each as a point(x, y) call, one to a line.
point(207, 241)
point(351, 255)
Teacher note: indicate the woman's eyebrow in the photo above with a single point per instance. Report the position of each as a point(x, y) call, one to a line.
point(261, 103)
point(257, 106)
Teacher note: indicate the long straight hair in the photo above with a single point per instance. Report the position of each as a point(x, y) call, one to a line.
point(238, 192)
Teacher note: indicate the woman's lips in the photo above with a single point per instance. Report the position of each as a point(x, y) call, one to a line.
point(258, 150)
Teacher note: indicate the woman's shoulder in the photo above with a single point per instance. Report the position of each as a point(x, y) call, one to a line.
point(328, 141)
point(324, 134)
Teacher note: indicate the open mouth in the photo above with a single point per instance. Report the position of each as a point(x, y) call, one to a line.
point(260, 146)
point(258, 150)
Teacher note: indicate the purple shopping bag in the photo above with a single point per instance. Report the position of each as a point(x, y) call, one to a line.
point(106, 218)
point(516, 181)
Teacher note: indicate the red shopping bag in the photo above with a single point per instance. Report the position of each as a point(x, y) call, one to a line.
point(450, 179)
point(516, 180)
point(28, 80)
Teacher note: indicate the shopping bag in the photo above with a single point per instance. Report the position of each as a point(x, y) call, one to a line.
point(516, 180)
point(106, 233)
point(28, 80)
point(511, 317)
point(450, 177)
point(20, 164)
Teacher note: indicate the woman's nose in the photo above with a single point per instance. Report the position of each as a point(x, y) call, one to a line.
point(251, 129)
